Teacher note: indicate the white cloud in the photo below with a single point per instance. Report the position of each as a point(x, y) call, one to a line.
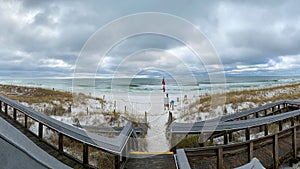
point(282, 63)
point(291, 62)
point(54, 63)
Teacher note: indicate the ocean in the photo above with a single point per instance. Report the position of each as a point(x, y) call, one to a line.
point(201, 85)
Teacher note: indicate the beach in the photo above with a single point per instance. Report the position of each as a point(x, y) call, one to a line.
point(114, 108)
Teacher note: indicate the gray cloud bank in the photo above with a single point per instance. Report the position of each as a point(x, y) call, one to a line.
point(44, 38)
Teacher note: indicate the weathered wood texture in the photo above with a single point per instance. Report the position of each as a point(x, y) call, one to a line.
point(162, 161)
point(271, 150)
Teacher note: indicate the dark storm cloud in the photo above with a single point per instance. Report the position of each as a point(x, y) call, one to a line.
point(47, 36)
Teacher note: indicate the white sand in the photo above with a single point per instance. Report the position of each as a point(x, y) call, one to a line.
point(137, 104)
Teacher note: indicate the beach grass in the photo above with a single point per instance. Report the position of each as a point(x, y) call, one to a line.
point(252, 97)
point(34, 94)
point(53, 102)
point(189, 142)
point(41, 95)
point(257, 97)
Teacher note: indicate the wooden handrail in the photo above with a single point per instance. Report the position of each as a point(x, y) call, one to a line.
point(191, 126)
point(248, 147)
point(122, 144)
point(110, 145)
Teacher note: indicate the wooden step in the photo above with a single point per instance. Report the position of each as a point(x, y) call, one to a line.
point(147, 160)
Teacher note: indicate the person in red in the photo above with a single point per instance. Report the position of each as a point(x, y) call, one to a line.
point(166, 102)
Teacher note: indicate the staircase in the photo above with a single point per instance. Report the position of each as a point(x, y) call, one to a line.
point(148, 160)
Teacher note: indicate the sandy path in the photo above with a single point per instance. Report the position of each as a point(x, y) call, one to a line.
point(137, 105)
point(156, 136)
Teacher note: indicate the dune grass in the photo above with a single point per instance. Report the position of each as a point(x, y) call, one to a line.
point(255, 96)
point(56, 103)
point(34, 95)
point(40, 95)
point(55, 98)
point(234, 98)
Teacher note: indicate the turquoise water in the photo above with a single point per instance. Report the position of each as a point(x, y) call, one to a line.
point(146, 85)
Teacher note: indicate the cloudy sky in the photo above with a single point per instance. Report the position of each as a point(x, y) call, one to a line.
point(45, 38)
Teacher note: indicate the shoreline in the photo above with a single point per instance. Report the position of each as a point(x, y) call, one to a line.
point(110, 110)
point(139, 103)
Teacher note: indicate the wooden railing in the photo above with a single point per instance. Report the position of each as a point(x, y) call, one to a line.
point(271, 150)
point(262, 111)
point(244, 121)
point(118, 147)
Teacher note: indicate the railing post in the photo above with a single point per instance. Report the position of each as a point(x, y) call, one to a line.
point(266, 113)
point(171, 140)
point(250, 151)
point(60, 142)
point(230, 136)
point(15, 114)
point(85, 157)
point(117, 162)
point(131, 143)
point(135, 144)
point(220, 157)
point(25, 121)
point(280, 111)
point(266, 129)
point(201, 140)
point(124, 154)
point(293, 121)
point(280, 125)
point(256, 115)
point(275, 152)
point(261, 128)
point(294, 143)
point(211, 140)
point(0, 105)
point(5, 109)
point(225, 137)
point(247, 133)
point(40, 134)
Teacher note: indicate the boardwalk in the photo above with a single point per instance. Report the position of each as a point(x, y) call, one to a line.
point(154, 161)
point(15, 145)
point(114, 148)
point(272, 149)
